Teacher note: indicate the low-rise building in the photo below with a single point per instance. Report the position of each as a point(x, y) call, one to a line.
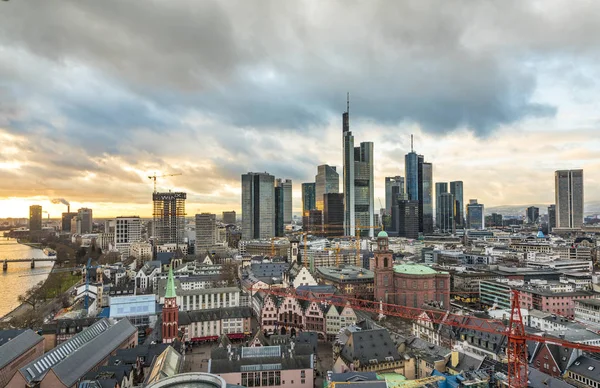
point(204, 298)
point(587, 311)
point(142, 251)
point(209, 325)
point(146, 276)
point(59, 331)
point(289, 366)
point(584, 372)
point(17, 349)
point(349, 280)
point(338, 318)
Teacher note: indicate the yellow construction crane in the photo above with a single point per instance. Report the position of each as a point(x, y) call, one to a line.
point(154, 176)
point(337, 250)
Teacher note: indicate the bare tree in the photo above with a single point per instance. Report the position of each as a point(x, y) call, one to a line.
point(33, 296)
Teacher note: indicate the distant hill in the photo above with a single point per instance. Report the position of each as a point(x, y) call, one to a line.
point(591, 208)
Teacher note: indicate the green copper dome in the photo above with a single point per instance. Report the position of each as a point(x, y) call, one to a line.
point(383, 233)
point(170, 293)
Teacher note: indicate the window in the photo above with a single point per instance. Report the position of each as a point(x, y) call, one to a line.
point(302, 381)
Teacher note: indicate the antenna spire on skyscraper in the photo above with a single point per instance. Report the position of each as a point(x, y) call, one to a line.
point(411, 143)
point(348, 102)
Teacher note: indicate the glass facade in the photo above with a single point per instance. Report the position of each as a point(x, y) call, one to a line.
point(308, 197)
point(392, 195)
point(327, 181)
point(456, 189)
point(258, 206)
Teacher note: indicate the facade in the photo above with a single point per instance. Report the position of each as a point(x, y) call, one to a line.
point(533, 214)
point(127, 231)
point(17, 349)
point(333, 215)
point(440, 188)
point(327, 181)
point(142, 251)
point(206, 232)
point(583, 372)
point(419, 187)
point(405, 218)
point(170, 312)
point(337, 318)
point(209, 325)
point(551, 217)
point(493, 293)
point(57, 332)
point(568, 190)
point(394, 190)
point(258, 206)
point(229, 217)
point(446, 213)
point(587, 311)
point(279, 209)
point(349, 280)
point(70, 361)
point(308, 197)
point(35, 218)
point(475, 215)
point(290, 366)
point(287, 201)
point(85, 216)
point(456, 189)
point(169, 217)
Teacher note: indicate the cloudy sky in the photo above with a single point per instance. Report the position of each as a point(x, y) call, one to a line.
point(97, 95)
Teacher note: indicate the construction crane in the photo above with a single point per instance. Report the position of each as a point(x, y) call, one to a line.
point(154, 176)
point(516, 349)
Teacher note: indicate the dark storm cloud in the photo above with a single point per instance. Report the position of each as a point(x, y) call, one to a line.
point(276, 64)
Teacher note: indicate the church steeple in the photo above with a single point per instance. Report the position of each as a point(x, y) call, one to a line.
point(170, 313)
point(170, 293)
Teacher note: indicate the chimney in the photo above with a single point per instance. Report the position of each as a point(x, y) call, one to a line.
point(68, 208)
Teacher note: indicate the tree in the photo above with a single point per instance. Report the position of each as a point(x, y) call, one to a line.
point(229, 273)
point(33, 296)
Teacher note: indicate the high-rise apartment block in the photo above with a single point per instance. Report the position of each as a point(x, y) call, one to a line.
point(169, 217)
point(333, 214)
point(86, 219)
point(35, 218)
point(568, 192)
point(456, 189)
point(533, 214)
point(327, 181)
point(229, 217)
point(206, 232)
point(127, 231)
point(475, 215)
point(258, 205)
point(394, 190)
point(358, 182)
point(419, 187)
point(308, 197)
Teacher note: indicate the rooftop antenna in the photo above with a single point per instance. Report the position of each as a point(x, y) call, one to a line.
point(348, 102)
point(411, 143)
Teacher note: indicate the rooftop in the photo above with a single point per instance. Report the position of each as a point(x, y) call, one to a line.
point(589, 302)
point(346, 272)
point(13, 343)
point(415, 269)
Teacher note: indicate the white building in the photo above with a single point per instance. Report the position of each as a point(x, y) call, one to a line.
point(204, 299)
point(172, 247)
point(206, 231)
point(587, 311)
point(338, 318)
point(146, 276)
point(127, 231)
point(142, 251)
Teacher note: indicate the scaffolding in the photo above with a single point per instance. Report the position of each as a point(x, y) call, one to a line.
point(169, 217)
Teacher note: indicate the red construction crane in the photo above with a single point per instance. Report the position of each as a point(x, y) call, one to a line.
point(516, 350)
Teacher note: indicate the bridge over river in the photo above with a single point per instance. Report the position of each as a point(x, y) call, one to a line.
point(32, 261)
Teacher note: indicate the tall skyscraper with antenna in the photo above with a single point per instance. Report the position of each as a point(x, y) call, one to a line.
point(358, 183)
point(419, 186)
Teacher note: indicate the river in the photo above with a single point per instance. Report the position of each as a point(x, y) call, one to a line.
point(12, 282)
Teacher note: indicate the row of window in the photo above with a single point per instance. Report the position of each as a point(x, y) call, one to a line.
point(261, 379)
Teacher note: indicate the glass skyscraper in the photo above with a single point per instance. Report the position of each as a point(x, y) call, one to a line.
point(392, 195)
point(258, 205)
point(456, 189)
point(327, 181)
point(475, 217)
point(568, 191)
point(308, 198)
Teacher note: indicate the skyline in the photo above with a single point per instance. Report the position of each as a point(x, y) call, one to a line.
point(88, 116)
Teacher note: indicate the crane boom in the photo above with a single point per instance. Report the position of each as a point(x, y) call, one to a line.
point(154, 176)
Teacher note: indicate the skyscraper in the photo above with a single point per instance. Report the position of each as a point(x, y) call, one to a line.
point(127, 231)
point(551, 217)
point(569, 198)
point(35, 218)
point(327, 181)
point(391, 183)
point(308, 197)
point(440, 188)
point(456, 189)
point(286, 186)
point(475, 215)
point(359, 199)
point(206, 232)
point(446, 222)
point(533, 214)
point(405, 218)
point(85, 216)
point(419, 187)
point(169, 217)
point(333, 214)
point(229, 217)
point(279, 208)
point(258, 205)
point(66, 221)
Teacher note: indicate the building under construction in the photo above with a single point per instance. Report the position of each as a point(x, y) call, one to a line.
point(169, 217)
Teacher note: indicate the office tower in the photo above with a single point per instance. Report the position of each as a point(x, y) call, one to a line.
point(206, 232)
point(568, 191)
point(456, 189)
point(394, 189)
point(66, 221)
point(405, 218)
point(359, 199)
point(496, 219)
point(551, 217)
point(440, 188)
point(533, 214)
point(279, 208)
point(286, 192)
point(35, 218)
point(85, 216)
point(475, 218)
point(168, 217)
point(127, 231)
point(446, 222)
point(308, 197)
point(327, 181)
point(333, 214)
point(229, 217)
point(258, 205)
point(419, 187)
point(314, 222)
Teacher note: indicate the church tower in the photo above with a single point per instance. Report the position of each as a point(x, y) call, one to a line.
point(170, 312)
point(383, 269)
